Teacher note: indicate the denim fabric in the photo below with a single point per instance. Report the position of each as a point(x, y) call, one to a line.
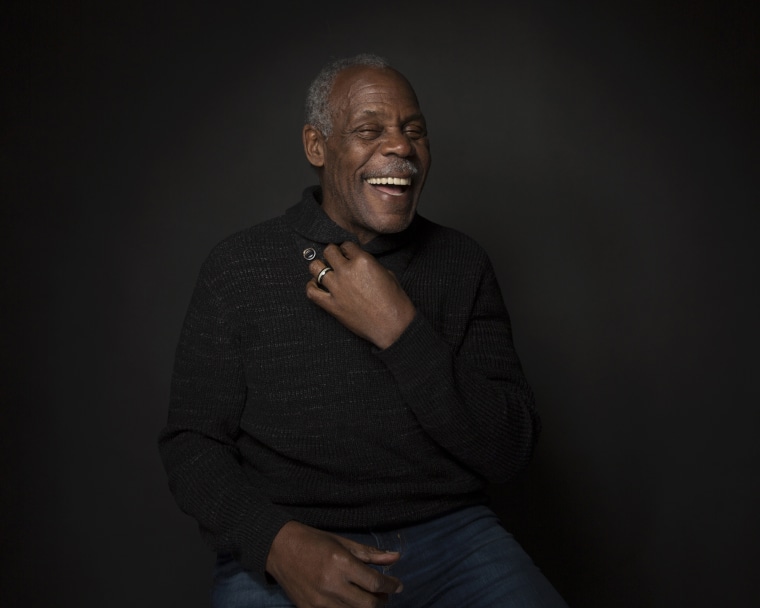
point(464, 559)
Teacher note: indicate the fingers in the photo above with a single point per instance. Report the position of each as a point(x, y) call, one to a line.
point(370, 579)
point(370, 555)
point(316, 266)
point(317, 568)
point(360, 293)
point(349, 250)
point(322, 274)
point(338, 256)
point(319, 271)
point(334, 258)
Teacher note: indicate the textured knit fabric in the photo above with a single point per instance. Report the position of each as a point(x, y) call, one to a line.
point(278, 412)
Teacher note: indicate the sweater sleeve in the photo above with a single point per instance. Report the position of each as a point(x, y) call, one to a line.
point(197, 445)
point(472, 399)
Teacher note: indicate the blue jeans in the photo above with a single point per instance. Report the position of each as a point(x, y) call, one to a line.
point(463, 559)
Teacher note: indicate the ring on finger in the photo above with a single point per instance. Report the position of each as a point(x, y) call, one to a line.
point(322, 274)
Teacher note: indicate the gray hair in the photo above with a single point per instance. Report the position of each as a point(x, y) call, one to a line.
point(317, 99)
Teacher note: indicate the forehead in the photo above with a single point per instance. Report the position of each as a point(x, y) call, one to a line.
point(378, 90)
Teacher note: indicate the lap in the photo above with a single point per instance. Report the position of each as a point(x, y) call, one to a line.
point(463, 559)
point(235, 587)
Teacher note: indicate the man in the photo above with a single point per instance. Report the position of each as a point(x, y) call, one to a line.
point(346, 384)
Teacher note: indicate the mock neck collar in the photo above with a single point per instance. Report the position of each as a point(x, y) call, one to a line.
point(309, 220)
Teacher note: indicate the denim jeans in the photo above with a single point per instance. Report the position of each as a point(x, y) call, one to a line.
point(463, 559)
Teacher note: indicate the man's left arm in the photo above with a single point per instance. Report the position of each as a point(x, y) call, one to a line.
point(475, 402)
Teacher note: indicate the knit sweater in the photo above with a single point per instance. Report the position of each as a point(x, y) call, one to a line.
point(278, 412)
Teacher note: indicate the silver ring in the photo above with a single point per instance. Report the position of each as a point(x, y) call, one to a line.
point(322, 274)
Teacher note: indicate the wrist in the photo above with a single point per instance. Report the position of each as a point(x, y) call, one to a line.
point(282, 539)
point(404, 318)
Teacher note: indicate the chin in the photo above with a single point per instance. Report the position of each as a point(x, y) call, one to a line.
point(393, 226)
point(389, 221)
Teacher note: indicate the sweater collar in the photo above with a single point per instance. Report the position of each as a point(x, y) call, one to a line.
point(309, 220)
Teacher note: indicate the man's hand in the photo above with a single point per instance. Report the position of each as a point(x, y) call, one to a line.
point(361, 294)
point(316, 568)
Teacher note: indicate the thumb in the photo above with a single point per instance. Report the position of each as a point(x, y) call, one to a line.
point(370, 555)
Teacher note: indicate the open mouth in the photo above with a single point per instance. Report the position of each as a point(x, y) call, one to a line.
point(390, 185)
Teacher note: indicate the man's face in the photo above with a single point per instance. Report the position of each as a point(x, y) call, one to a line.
point(377, 156)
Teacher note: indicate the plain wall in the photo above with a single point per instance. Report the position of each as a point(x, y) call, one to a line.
point(605, 156)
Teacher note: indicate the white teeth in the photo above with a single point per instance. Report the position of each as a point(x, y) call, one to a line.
point(393, 181)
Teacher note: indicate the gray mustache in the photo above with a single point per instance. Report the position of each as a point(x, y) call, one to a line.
point(395, 165)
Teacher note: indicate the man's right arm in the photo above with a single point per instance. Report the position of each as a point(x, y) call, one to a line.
point(198, 443)
point(198, 449)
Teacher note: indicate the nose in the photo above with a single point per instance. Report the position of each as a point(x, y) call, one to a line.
point(396, 142)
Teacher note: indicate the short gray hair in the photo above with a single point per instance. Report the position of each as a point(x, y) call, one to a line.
point(317, 112)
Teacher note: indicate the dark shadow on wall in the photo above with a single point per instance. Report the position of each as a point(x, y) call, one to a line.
point(606, 157)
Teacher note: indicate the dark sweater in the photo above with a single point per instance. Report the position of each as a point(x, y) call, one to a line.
point(278, 412)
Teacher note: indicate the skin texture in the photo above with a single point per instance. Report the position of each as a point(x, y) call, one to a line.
point(377, 126)
point(361, 294)
point(378, 131)
point(317, 568)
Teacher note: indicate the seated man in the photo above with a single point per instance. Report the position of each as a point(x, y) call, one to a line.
point(345, 384)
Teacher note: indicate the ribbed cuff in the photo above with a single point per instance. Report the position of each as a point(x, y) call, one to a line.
point(256, 535)
point(420, 361)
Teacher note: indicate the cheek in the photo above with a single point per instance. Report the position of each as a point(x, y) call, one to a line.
point(424, 151)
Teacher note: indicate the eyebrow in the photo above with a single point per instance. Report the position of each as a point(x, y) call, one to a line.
point(374, 113)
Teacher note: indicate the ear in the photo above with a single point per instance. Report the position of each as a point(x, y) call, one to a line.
point(314, 146)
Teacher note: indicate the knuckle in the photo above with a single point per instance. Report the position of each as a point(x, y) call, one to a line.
point(325, 580)
point(338, 560)
point(362, 262)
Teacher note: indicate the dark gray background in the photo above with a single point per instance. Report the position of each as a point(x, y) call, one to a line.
point(606, 157)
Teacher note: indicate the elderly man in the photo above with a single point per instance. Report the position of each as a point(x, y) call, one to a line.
point(346, 384)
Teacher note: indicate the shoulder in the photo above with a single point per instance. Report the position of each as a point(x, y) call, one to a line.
point(234, 257)
point(249, 241)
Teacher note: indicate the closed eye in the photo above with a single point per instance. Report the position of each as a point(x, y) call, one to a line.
point(369, 133)
point(415, 132)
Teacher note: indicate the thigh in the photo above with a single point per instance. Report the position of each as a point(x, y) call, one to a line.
point(467, 559)
point(235, 587)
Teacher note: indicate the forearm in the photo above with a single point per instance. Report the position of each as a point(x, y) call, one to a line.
point(209, 484)
point(198, 445)
point(476, 403)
